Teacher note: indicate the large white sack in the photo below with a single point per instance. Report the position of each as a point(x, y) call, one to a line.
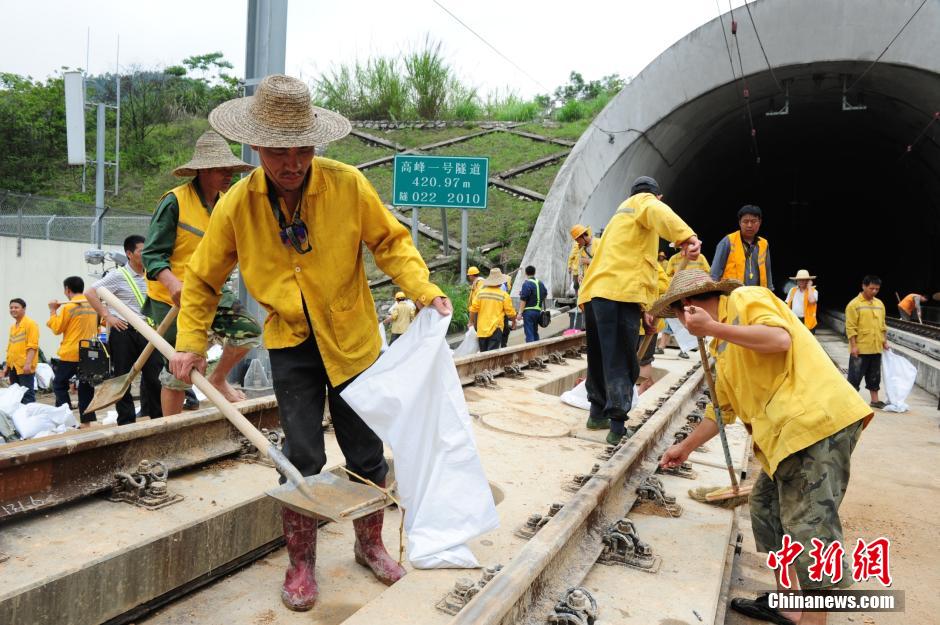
point(578, 398)
point(412, 398)
point(383, 337)
point(899, 376)
point(469, 345)
point(34, 419)
point(44, 375)
point(686, 341)
point(11, 397)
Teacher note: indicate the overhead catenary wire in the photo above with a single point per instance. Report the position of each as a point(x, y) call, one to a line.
point(746, 91)
point(910, 146)
point(491, 46)
point(890, 43)
point(761, 44)
point(721, 21)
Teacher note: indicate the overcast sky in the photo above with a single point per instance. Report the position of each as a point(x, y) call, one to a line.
point(546, 39)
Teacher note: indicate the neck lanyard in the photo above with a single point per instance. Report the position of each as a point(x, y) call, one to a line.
point(293, 233)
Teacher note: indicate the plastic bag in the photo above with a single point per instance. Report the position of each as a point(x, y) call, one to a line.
point(11, 397)
point(469, 345)
point(899, 376)
point(383, 337)
point(32, 420)
point(44, 375)
point(412, 398)
point(578, 398)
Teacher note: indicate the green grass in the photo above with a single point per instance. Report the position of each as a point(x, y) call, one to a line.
point(353, 151)
point(572, 131)
point(538, 180)
point(414, 138)
point(503, 149)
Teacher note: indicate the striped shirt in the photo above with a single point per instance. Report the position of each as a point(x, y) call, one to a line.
point(115, 282)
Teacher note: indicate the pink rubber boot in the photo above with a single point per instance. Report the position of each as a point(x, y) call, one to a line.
point(300, 583)
point(370, 551)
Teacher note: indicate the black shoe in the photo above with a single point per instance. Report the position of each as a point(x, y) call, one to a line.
point(759, 609)
point(191, 402)
point(878, 404)
point(683, 355)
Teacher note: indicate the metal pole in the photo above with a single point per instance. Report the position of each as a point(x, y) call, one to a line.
point(117, 115)
point(414, 225)
point(464, 227)
point(99, 178)
point(49, 227)
point(444, 227)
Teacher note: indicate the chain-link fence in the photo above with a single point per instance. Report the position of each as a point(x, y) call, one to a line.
point(28, 216)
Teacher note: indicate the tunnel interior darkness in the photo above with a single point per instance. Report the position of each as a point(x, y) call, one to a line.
point(840, 193)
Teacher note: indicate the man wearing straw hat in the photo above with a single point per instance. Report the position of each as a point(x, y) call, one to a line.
point(489, 310)
point(805, 419)
point(296, 227)
point(803, 299)
point(619, 285)
point(176, 228)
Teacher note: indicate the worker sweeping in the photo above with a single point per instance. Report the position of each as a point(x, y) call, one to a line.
point(296, 227)
point(805, 419)
point(909, 307)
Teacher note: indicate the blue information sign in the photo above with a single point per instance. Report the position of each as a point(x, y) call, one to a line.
point(440, 181)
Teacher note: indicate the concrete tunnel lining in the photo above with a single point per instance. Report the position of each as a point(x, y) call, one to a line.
point(822, 169)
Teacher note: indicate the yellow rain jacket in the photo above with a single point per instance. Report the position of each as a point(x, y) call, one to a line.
point(474, 289)
point(76, 320)
point(492, 305)
point(866, 322)
point(662, 284)
point(699, 263)
point(624, 265)
point(342, 211)
point(787, 401)
point(578, 254)
point(23, 336)
point(402, 314)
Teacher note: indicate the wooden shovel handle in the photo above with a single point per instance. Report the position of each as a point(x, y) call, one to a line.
point(161, 330)
point(225, 407)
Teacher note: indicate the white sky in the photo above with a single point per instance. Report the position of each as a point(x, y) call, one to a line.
point(547, 39)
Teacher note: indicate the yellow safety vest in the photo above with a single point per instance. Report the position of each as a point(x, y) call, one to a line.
point(809, 309)
point(192, 224)
point(736, 263)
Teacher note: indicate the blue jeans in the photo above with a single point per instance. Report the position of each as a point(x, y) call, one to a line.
point(60, 386)
point(24, 379)
point(530, 323)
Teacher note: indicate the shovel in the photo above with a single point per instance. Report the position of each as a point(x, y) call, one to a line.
point(113, 389)
point(718, 420)
point(325, 496)
point(649, 335)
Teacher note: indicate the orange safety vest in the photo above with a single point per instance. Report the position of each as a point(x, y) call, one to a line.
point(192, 224)
point(809, 309)
point(736, 263)
point(907, 304)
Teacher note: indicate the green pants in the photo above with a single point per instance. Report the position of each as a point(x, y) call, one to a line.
point(803, 500)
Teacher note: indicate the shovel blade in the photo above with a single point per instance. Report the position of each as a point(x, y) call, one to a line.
point(335, 498)
point(109, 392)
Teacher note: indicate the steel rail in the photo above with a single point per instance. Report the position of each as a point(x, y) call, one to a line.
point(562, 553)
point(51, 471)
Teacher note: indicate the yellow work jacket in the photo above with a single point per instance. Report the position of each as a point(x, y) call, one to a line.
point(342, 211)
point(624, 265)
point(578, 254)
point(23, 336)
point(809, 308)
point(474, 289)
point(736, 263)
point(788, 400)
point(662, 284)
point(76, 320)
point(194, 219)
point(492, 305)
point(699, 263)
point(866, 322)
point(402, 314)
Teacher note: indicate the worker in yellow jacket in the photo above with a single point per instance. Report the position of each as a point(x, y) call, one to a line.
point(400, 316)
point(22, 350)
point(868, 338)
point(805, 419)
point(489, 311)
point(76, 321)
point(584, 245)
point(743, 255)
point(803, 299)
point(676, 260)
point(296, 227)
point(619, 287)
point(475, 282)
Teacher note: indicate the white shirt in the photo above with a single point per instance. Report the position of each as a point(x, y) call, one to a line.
point(796, 301)
point(115, 282)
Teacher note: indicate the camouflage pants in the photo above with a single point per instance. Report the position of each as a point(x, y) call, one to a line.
point(231, 326)
point(803, 500)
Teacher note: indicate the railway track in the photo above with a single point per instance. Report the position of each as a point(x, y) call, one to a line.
point(927, 329)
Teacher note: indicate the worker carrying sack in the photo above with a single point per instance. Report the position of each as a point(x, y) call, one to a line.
point(412, 399)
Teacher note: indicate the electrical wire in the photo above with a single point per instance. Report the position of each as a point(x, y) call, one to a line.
point(910, 146)
point(890, 43)
point(725, 35)
point(491, 46)
point(761, 43)
point(746, 92)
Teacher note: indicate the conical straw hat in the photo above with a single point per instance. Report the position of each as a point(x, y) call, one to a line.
point(212, 151)
point(279, 115)
point(496, 278)
point(802, 274)
point(686, 283)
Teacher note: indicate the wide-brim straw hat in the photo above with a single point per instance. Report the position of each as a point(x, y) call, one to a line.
point(802, 274)
point(212, 152)
point(279, 115)
point(496, 278)
point(686, 283)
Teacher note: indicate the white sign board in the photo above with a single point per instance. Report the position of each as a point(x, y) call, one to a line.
point(75, 117)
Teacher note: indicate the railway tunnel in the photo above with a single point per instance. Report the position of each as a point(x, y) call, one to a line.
point(837, 141)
